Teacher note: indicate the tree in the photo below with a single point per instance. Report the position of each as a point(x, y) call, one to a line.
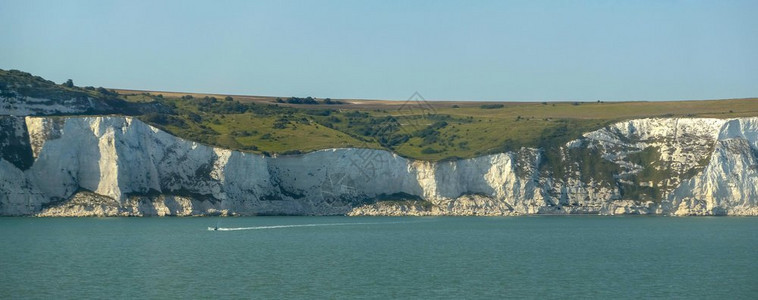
point(228, 98)
point(69, 83)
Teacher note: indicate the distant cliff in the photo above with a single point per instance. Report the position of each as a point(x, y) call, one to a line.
point(119, 166)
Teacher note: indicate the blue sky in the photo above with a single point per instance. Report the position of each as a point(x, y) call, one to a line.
point(453, 50)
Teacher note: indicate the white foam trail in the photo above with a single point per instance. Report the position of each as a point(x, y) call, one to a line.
point(298, 225)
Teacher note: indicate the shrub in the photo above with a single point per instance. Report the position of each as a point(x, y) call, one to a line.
point(319, 112)
point(297, 100)
point(429, 150)
point(194, 117)
point(281, 123)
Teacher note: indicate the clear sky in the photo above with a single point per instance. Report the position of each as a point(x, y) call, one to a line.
point(454, 50)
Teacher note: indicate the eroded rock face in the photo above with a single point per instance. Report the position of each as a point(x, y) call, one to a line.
point(14, 142)
point(24, 105)
point(88, 204)
point(98, 166)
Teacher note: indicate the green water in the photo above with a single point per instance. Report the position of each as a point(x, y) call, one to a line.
point(380, 257)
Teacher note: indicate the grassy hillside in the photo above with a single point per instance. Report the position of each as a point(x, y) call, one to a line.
point(432, 130)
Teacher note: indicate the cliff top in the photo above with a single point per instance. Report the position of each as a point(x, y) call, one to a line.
point(416, 128)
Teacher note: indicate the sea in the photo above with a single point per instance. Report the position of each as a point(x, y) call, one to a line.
point(536, 257)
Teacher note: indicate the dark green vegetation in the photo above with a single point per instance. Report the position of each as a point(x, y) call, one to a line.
point(429, 131)
point(308, 100)
point(16, 86)
point(16, 82)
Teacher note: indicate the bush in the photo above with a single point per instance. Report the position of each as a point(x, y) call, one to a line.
point(292, 152)
point(330, 101)
point(492, 106)
point(430, 133)
point(429, 150)
point(319, 112)
point(194, 117)
point(162, 119)
point(281, 123)
point(297, 100)
point(106, 92)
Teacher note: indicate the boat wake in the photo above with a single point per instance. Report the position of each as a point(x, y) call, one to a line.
point(297, 225)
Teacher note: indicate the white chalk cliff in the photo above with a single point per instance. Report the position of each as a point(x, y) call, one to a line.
point(103, 166)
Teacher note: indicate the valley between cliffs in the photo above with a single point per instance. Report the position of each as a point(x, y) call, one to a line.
point(120, 166)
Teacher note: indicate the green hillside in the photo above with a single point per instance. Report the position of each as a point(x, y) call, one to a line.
point(439, 131)
point(432, 130)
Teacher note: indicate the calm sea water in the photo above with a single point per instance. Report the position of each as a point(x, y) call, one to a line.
point(380, 257)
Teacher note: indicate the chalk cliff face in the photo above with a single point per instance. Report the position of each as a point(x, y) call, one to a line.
point(95, 166)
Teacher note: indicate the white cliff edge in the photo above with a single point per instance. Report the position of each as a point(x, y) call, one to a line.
point(120, 166)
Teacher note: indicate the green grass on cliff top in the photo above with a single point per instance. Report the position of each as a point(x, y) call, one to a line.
point(434, 130)
point(444, 132)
